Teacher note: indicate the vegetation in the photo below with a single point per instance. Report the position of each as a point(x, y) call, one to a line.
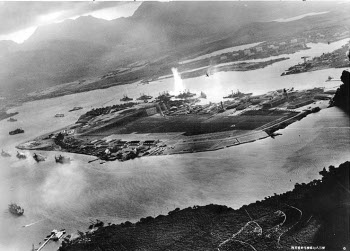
point(313, 214)
point(342, 96)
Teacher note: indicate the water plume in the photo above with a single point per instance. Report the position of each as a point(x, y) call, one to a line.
point(31, 224)
point(178, 84)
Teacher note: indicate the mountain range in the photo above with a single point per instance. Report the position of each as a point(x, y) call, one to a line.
point(87, 46)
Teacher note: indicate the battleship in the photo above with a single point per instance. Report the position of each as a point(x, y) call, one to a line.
point(17, 131)
point(38, 157)
point(15, 209)
point(185, 95)
point(12, 120)
point(126, 98)
point(144, 97)
point(76, 108)
point(164, 97)
point(5, 154)
point(238, 94)
point(21, 155)
point(61, 159)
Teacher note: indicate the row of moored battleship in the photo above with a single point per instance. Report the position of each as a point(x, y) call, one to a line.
point(184, 95)
point(187, 94)
point(37, 157)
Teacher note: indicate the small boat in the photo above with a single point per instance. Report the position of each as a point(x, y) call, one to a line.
point(329, 78)
point(17, 131)
point(38, 157)
point(21, 155)
point(15, 209)
point(5, 154)
point(12, 120)
point(61, 159)
point(59, 115)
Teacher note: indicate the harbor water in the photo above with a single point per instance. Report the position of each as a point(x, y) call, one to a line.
point(56, 196)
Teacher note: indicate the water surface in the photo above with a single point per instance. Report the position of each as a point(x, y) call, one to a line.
point(68, 196)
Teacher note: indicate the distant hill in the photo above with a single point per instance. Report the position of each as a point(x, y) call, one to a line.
point(50, 62)
point(89, 46)
point(173, 22)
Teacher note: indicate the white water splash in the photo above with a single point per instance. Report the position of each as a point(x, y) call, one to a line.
point(31, 224)
point(178, 84)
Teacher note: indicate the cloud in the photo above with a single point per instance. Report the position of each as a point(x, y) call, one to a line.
point(16, 16)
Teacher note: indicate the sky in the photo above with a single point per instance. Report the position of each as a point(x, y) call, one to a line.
point(19, 20)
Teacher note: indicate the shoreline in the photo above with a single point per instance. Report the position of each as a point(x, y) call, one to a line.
point(301, 216)
point(187, 74)
point(81, 86)
point(335, 59)
point(112, 165)
point(220, 143)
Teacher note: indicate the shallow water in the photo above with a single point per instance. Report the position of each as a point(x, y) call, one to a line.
point(67, 196)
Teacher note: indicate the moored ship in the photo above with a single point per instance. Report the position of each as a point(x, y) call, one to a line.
point(164, 97)
point(21, 155)
point(38, 157)
point(185, 95)
point(15, 209)
point(61, 159)
point(76, 108)
point(12, 120)
point(17, 131)
point(144, 97)
point(125, 99)
point(238, 94)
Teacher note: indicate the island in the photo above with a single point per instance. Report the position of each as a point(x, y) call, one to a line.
point(335, 59)
point(179, 124)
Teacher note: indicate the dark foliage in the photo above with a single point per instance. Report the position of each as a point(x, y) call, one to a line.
point(323, 221)
point(342, 96)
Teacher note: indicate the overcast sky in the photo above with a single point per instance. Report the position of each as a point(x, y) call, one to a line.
point(18, 20)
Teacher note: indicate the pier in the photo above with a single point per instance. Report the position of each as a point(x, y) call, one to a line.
point(54, 233)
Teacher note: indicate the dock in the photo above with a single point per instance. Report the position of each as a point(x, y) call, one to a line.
point(43, 245)
point(54, 233)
